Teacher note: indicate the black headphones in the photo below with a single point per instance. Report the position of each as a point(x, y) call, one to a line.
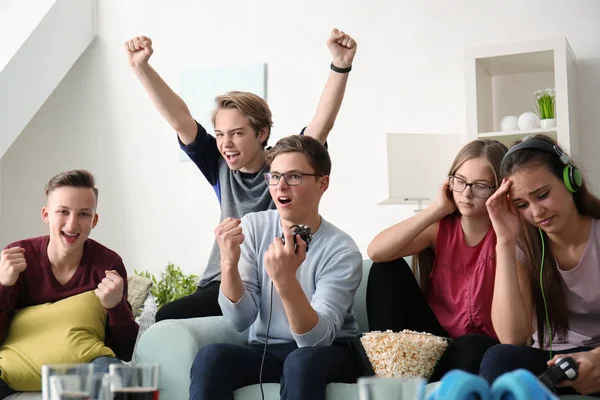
point(571, 175)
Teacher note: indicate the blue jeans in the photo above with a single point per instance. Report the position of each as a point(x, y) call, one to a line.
point(100, 365)
point(219, 369)
point(504, 358)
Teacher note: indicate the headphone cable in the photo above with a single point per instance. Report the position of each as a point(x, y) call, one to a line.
point(543, 295)
point(262, 362)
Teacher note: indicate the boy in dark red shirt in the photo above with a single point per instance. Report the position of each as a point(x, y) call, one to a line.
point(66, 263)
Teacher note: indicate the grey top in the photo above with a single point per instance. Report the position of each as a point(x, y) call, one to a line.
point(329, 278)
point(581, 288)
point(239, 193)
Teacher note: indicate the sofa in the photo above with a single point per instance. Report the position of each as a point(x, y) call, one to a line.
point(173, 344)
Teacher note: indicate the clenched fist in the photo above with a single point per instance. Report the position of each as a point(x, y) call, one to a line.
point(12, 263)
point(110, 290)
point(139, 49)
point(342, 48)
point(230, 238)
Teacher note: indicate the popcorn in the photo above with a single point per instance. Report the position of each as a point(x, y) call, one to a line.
point(404, 354)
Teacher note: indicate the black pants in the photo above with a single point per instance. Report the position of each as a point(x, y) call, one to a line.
point(395, 301)
point(202, 303)
point(507, 357)
point(5, 390)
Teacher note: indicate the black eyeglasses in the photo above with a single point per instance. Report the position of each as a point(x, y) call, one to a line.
point(291, 178)
point(480, 190)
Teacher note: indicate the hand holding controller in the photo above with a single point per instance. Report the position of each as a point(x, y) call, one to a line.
point(305, 233)
point(564, 369)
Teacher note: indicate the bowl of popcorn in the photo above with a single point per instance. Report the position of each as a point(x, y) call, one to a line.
point(403, 354)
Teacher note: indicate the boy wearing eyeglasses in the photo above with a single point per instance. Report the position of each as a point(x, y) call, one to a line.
point(234, 161)
point(298, 300)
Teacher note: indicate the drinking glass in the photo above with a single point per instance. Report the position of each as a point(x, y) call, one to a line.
point(134, 381)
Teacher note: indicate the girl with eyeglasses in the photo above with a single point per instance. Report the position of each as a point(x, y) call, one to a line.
point(449, 290)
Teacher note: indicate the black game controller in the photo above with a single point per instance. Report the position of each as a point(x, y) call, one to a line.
point(305, 233)
point(564, 369)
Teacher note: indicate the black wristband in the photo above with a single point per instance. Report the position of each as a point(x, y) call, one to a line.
point(341, 70)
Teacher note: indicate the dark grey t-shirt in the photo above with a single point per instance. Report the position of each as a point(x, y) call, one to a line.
point(239, 193)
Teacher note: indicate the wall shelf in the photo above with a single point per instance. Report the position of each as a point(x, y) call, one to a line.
point(500, 81)
point(510, 137)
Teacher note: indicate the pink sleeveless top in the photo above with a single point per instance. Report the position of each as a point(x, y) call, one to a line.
point(461, 283)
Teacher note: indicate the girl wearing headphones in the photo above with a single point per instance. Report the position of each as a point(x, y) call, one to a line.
point(453, 244)
point(548, 266)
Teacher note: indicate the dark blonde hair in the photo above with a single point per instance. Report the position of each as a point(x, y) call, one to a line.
point(316, 154)
point(492, 152)
point(530, 242)
point(78, 178)
point(250, 105)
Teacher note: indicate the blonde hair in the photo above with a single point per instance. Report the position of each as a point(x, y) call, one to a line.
point(250, 105)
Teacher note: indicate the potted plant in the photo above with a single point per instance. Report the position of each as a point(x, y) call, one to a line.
point(544, 100)
point(172, 285)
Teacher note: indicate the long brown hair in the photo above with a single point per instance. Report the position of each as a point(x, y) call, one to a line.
point(492, 152)
point(530, 242)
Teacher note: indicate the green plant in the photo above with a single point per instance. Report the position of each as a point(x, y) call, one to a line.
point(544, 100)
point(173, 284)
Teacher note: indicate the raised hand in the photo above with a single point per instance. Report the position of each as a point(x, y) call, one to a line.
point(342, 48)
point(283, 260)
point(12, 263)
point(230, 238)
point(139, 49)
point(110, 290)
point(444, 202)
point(503, 214)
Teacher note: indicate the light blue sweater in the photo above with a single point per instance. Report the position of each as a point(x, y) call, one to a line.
point(329, 277)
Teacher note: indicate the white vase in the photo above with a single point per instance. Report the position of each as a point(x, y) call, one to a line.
point(509, 123)
point(529, 120)
point(548, 123)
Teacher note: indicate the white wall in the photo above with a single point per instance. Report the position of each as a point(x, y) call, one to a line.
point(38, 45)
point(14, 29)
point(408, 77)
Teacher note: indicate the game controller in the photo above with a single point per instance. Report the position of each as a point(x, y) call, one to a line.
point(305, 233)
point(563, 369)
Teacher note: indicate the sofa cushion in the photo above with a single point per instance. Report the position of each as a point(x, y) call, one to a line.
point(138, 288)
point(68, 331)
point(359, 307)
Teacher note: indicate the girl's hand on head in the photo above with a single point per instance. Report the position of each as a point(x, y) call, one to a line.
point(503, 214)
point(444, 202)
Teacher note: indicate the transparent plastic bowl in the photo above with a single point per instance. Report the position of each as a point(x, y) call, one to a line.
point(403, 354)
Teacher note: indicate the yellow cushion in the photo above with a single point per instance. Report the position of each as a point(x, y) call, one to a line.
point(68, 331)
